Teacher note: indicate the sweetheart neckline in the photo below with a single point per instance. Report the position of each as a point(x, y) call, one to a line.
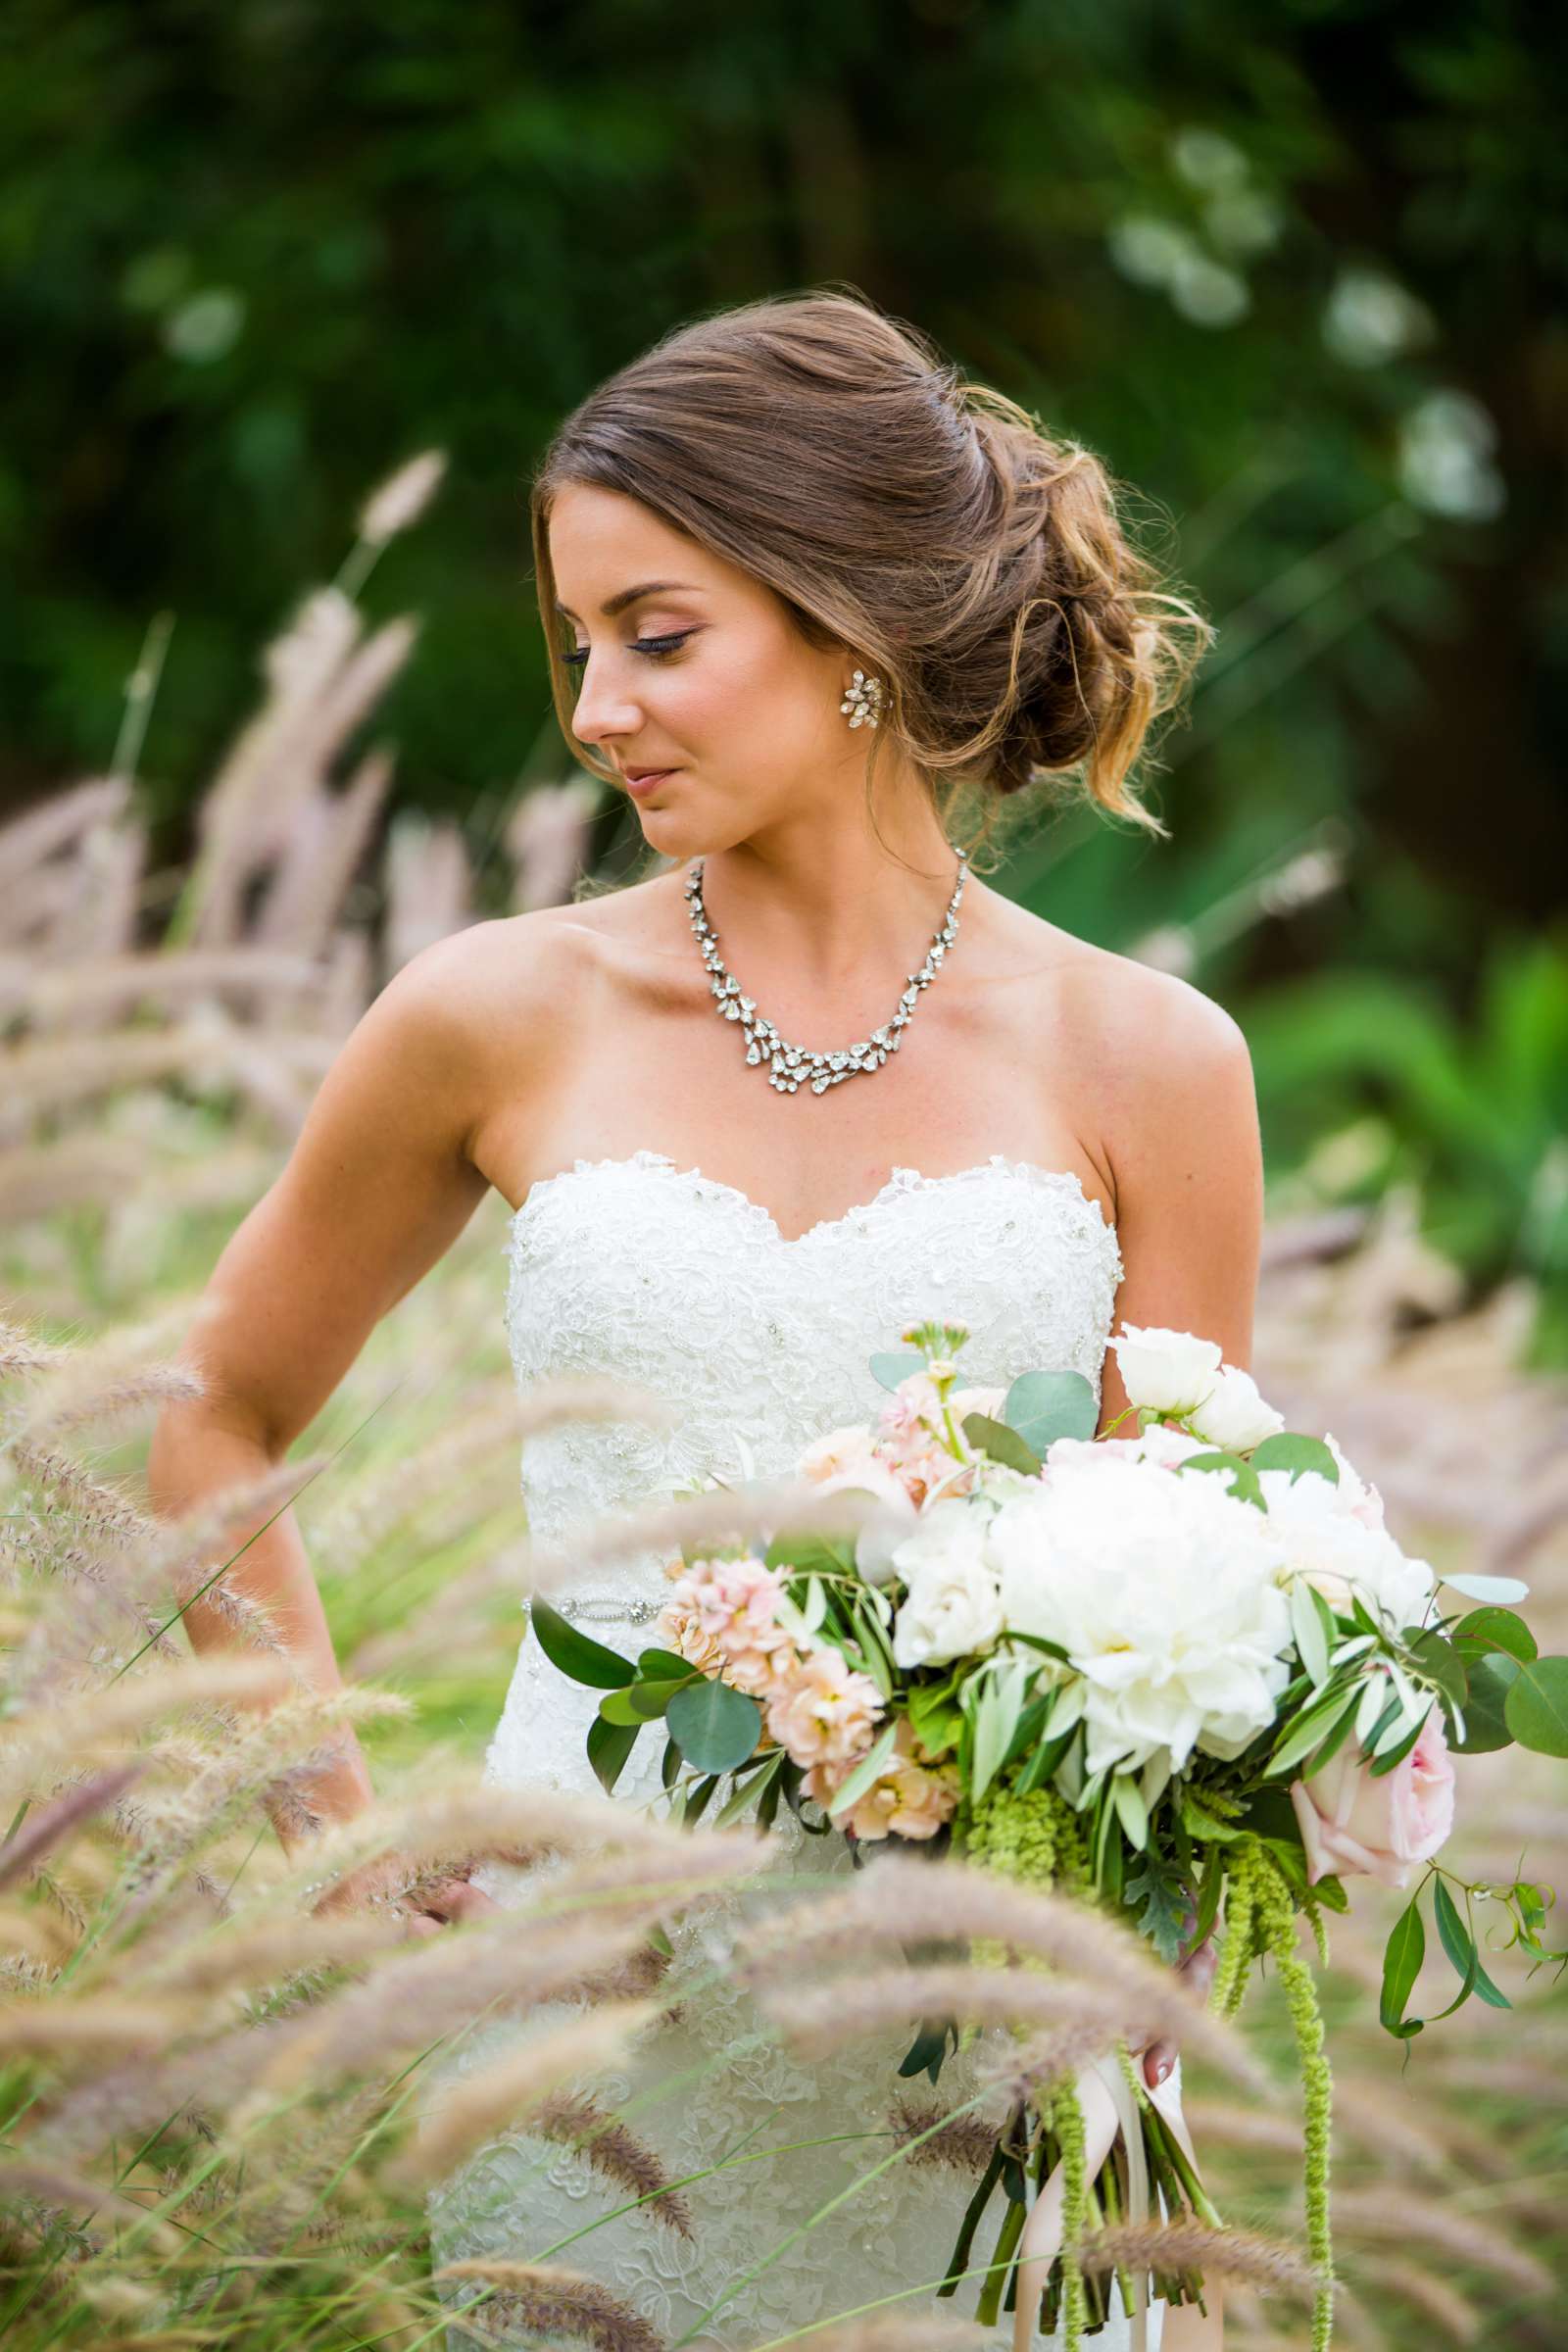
point(1029, 1169)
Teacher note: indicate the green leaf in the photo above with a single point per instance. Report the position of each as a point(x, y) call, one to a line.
point(1536, 1709)
point(1485, 1723)
point(1128, 1800)
point(1309, 1729)
point(1002, 1444)
point(865, 1772)
point(1461, 1949)
point(716, 1727)
point(1163, 1902)
point(1311, 1640)
point(1385, 1759)
point(1401, 1965)
point(1488, 1588)
point(1286, 1450)
point(1493, 1629)
point(891, 1367)
point(1439, 1662)
point(1244, 1481)
point(608, 1746)
point(1206, 1828)
point(753, 1786)
point(662, 1666)
point(1043, 1407)
point(574, 1653)
point(650, 1699)
point(620, 1708)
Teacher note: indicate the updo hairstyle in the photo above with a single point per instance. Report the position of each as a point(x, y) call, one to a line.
point(972, 560)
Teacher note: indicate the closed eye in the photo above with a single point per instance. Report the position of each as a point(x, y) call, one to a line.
point(656, 646)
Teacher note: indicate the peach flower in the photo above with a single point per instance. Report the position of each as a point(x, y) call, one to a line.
point(1381, 1827)
point(906, 1799)
point(680, 1629)
point(823, 1709)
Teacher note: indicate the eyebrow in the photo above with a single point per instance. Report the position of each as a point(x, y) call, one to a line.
point(627, 595)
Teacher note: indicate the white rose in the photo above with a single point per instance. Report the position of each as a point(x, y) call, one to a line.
point(1164, 1592)
point(1170, 1370)
point(1233, 1414)
point(952, 1607)
point(1324, 1539)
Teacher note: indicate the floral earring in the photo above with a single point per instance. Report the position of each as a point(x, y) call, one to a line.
point(863, 697)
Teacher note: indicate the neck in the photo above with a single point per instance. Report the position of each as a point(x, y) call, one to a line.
point(829, 902)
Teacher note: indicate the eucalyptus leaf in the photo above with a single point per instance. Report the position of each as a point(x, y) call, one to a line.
point(1002, 1444)
point(1485, 1722)
point(717, 1727)
point(1244, 1478)
point(1435, 1656)
point(1288, 1450)
point(1488, 1588)
point(1493, 1629)
point(892, 1366)
point(1536, 1709)
point(1043, 1407)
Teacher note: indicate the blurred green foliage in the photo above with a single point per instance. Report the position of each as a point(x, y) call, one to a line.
point(1296, 273)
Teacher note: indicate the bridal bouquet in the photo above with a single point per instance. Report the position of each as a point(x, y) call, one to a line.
point(1184, 1671)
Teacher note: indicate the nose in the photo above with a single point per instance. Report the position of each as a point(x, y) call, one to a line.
point(603, 707)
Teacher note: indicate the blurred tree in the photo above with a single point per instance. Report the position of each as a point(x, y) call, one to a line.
point(1298, 276)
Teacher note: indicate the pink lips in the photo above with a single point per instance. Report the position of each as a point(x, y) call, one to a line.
point(641, 785)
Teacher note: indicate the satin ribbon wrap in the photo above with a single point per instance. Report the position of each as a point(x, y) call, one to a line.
point(1108, 2109)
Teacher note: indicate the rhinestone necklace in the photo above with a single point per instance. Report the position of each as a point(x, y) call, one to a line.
point(789, 1065)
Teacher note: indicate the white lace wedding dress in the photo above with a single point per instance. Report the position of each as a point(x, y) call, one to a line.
point(659, 1275)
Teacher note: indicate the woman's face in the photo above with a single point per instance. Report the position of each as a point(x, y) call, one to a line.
point(701, 675)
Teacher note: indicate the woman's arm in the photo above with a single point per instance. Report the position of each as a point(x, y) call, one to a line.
point(1183, 1145)
point(376, 1189)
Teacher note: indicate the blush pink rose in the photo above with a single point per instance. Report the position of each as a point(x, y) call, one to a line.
point(1381, 1827)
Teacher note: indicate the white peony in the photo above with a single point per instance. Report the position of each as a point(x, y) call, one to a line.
point(1170, 1370)
point(1233, 1414)
point(952, 1607)
point(1164, 1592)
point(1327, 1539)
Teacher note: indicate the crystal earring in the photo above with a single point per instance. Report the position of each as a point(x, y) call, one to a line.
point(863, 697)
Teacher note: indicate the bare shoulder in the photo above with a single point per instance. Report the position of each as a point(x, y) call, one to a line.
point(1173, 1092)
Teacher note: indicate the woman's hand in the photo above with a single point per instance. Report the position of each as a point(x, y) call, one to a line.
point(436, 1906)
point(1197, 1969)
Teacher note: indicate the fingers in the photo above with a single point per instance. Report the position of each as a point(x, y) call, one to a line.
point(1158, 2059)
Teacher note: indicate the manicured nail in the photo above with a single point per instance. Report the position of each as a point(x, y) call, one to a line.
point(1162, 2070)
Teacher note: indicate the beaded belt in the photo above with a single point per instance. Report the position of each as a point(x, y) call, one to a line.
point(603, 1608)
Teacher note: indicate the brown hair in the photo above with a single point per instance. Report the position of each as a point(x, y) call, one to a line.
point(974, 560)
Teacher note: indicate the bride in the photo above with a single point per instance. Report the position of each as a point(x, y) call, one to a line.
point(807, 593)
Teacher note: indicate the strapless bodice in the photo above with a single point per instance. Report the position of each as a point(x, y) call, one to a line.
point(666, 1278)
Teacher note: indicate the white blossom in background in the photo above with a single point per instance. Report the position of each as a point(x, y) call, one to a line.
point(1150, 250)
point(1208, 158)
point(1445, 458)
point(1370, 317)
point(207, 327)
point(1243, 221)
